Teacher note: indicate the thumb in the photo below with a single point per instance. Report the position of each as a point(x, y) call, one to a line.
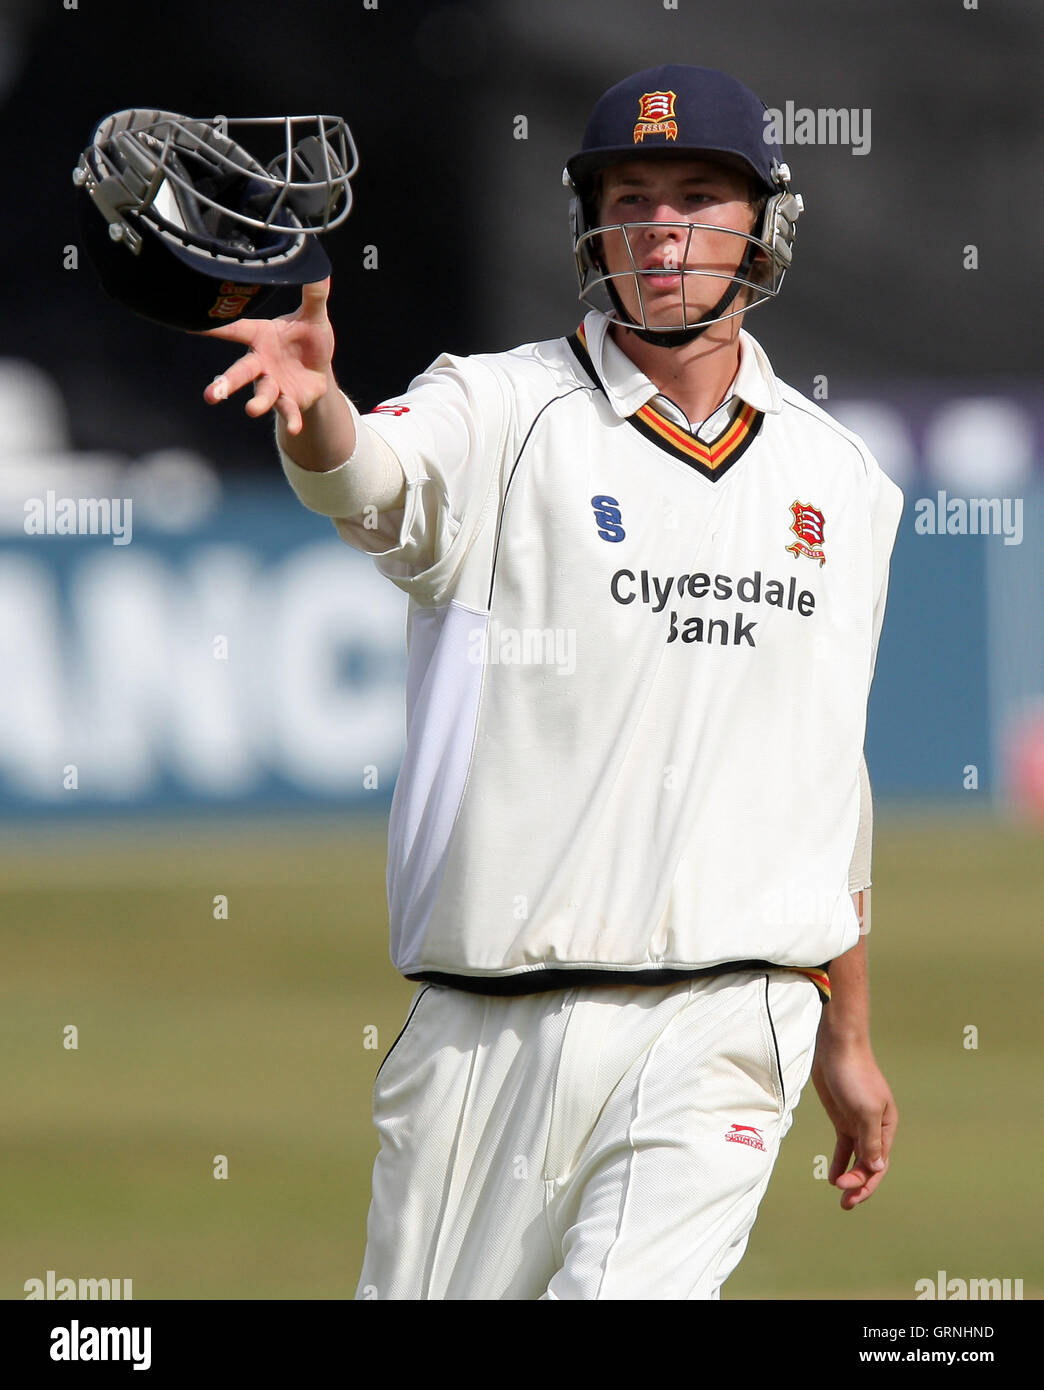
point(869, 1148)
point(313, 300)
point(239, 331)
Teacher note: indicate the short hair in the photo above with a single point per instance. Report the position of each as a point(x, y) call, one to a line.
point(757, 198)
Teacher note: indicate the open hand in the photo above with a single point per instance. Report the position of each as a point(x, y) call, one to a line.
point(289, 359)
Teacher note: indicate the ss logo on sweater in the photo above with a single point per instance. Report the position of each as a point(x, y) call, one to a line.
point(609, 517)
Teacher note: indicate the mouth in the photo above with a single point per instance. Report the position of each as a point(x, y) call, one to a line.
point(659, 277)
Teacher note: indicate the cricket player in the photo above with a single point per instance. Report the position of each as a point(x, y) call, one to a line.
point(629, 845)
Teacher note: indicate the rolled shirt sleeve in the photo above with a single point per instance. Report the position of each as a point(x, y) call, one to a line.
point(368, 488)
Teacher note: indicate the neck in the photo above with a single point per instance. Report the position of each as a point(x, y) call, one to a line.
point(695, 376)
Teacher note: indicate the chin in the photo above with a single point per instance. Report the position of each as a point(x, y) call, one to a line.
point(674, 318)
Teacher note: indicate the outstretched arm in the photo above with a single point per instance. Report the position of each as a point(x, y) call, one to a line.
point(850, 1084)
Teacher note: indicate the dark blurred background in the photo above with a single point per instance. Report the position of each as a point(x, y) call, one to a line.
point(471, 223)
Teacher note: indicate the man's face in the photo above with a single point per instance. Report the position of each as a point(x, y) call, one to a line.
point(665, 192)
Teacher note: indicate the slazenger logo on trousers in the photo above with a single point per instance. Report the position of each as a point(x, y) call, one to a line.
point(745, 1134)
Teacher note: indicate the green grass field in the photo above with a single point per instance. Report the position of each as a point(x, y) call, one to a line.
point(247, 1037)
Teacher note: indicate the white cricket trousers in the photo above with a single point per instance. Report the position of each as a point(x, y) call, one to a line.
point(602, 1142)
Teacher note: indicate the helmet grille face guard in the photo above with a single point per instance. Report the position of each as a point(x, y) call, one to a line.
point(679, 112)
point(172, 204)
point(765, 259)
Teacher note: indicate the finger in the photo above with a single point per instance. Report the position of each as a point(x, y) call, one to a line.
point(217, 391)
point(862, 1178)
point(889, 1125)
point(241, 373)
point(290, 413)
point(266, 393)
point(857, 1177)
point(853, 1199)
point(843, 1151)
point(313, 300)
point(854, 1196)
point(871, 1166)
point(874, 1133)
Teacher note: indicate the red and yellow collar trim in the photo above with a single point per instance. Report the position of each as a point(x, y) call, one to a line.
point(735, 438)
point(712, 460)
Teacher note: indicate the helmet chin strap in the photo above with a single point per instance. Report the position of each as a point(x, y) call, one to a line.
point(678, 338)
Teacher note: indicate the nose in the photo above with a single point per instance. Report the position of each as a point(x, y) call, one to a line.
point(664, 213)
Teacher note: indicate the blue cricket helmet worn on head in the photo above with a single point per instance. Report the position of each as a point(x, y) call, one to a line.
point(680, 112)
point(188, 228)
